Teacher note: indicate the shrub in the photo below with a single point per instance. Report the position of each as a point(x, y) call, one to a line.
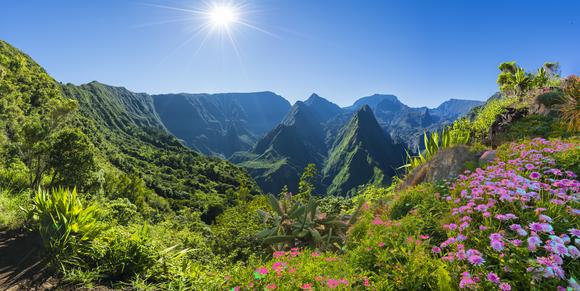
point(66, 227)
point(550, 98)
point(234, 233)
point(570, 107)
point(485, 118)
point(298, 225)
point(533, 126)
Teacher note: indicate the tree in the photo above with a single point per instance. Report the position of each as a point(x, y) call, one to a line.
point(71, 159)
point(38, 133)
point(306, 186)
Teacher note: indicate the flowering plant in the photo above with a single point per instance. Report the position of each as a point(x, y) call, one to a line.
point(514, 223)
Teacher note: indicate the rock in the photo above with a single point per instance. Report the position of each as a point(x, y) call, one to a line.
point(447, 163)
point(487, 157)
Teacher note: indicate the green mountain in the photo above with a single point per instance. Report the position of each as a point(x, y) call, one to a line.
point(221, 124)
point(125, 128)
point(362, 154)
point(350, 152)
point(279, 158)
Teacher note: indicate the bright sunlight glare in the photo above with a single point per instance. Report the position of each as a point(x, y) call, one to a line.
point(223, 15)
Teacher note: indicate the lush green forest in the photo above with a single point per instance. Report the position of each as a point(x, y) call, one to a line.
point(104, 196)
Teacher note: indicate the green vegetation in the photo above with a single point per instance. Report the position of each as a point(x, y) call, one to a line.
point(570, 104)
point(115, 201)
point(297, 225)
point(67, 228)
point(434, 142)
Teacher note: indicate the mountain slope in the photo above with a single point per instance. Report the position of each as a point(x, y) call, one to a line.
point(279, 158)
point(220, 124)
point(125, 128)
point(343, 142)
point(362, 154)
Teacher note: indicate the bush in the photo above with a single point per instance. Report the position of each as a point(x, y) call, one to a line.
point(235, 230)
point(570, 107)
point(550, 98)
point(533, 126)
point(67, 228)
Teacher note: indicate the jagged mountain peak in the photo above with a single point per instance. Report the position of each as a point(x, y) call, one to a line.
point(362, 153)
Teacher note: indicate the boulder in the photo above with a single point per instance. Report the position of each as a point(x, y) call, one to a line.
point(487, 157)
point(447, 163)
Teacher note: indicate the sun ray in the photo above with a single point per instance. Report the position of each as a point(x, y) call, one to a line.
point(214, 18)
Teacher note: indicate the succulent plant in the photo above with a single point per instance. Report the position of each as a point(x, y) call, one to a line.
point(303, 225)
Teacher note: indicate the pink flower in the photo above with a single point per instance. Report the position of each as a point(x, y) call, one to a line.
point(278, 266)
point(505, 287)
point(315, 254)
point(381, 244)
point(271, 286)
point(332, 283)
point(377, 221)
point(262, 271)
point(492, 277)
point(279, 254)
point(306, 286)
point(466, 281)
point(476, 260)
point(535, 176)
point(436, 250)
point(497, 245)
point(366, 282)
point(424, 236)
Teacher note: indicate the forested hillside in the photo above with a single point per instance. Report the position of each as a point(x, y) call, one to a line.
point(125, 128)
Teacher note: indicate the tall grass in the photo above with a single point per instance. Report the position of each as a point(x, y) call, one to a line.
point(11, 215)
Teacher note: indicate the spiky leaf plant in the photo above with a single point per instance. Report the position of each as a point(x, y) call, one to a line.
point(303, 225)
point(66, 227)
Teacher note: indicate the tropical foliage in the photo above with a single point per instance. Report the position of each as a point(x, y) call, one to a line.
point(434, 142)
point(297, 225)
point(66, 227)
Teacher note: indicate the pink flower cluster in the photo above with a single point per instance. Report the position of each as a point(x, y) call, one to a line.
point(514, 215)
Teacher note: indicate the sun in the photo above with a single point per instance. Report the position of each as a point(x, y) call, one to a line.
point(223, 15)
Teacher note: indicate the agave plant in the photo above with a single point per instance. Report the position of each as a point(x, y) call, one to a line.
point(570, 104)
point(303, 225)
point(433, 143)
point(64, 224)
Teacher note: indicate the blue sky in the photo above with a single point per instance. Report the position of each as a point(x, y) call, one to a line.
point(425, 52)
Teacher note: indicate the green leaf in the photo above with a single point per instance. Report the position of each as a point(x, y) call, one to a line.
point(275, 205)
point(278, 239)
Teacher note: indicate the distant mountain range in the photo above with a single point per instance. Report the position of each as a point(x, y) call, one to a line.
point(220, 124)
point(352, 146)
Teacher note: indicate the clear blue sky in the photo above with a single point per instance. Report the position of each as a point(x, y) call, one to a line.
point(424, 53)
